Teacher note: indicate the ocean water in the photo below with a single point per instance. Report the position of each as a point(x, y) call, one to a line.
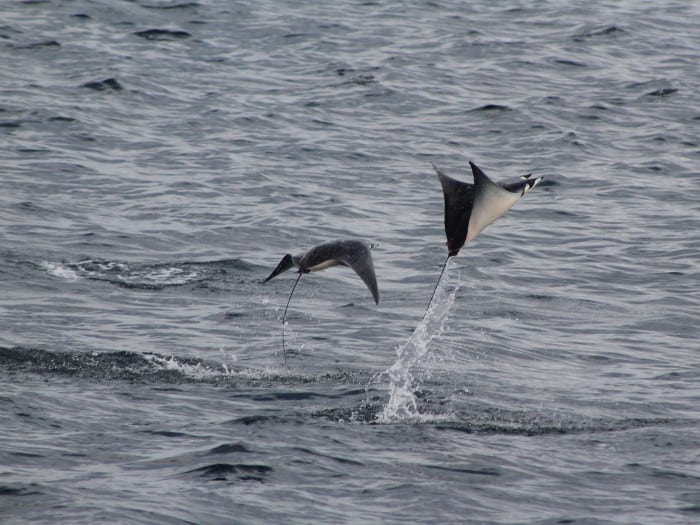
point(157, 159)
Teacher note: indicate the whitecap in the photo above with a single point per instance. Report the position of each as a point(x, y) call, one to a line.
point(60, 270)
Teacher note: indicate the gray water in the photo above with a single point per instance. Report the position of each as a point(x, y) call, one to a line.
point(158, 159)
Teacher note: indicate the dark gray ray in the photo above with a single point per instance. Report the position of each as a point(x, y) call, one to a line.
point(344, 252)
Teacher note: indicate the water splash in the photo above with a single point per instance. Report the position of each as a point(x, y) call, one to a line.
point(402, 405)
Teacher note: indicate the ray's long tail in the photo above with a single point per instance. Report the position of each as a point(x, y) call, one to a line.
point(444, 266)
point(284, 318)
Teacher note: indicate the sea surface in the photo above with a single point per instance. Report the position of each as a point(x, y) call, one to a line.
point(157, 160)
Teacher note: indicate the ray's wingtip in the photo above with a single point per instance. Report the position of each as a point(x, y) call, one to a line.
point(475, 169)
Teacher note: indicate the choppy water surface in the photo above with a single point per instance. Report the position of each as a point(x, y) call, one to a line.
point(158, 159)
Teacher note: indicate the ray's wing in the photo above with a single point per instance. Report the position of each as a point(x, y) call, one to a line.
point(285, 264)
point(459, 199)
point(491, 201)
point(357, 255)
point(320, 257)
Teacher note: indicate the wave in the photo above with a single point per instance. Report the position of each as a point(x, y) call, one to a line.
point(159, 368)
point(363, 405)
point(111, 365)
point(153, 276)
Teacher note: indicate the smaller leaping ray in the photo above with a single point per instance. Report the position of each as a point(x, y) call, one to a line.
point(352, 253)
point(470, 208)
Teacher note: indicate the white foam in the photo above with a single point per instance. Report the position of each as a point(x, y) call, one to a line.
point(60, 270)
point(171, 275)
point(202, 371)
point(198, 371)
